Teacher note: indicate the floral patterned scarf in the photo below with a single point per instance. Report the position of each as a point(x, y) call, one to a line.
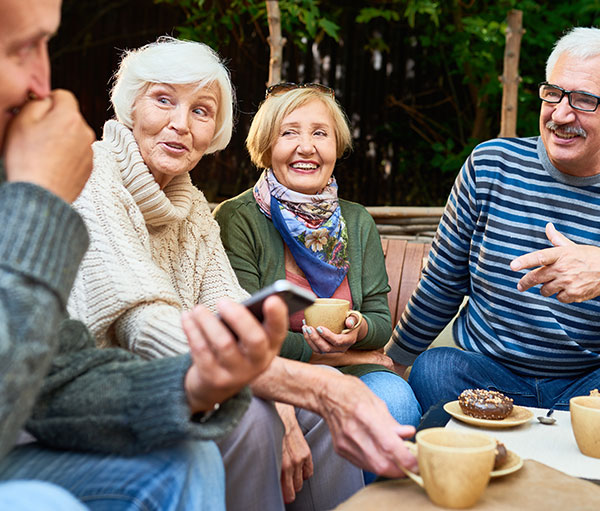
point(312, 227)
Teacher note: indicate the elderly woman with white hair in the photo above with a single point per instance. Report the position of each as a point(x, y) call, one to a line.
point(155, 249)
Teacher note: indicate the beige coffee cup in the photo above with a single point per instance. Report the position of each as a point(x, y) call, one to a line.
point(585, 421)
point(454, 466)
point(331, 313)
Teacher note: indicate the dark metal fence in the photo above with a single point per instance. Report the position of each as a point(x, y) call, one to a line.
point(376, 90)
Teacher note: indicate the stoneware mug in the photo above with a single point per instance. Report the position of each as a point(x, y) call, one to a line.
point(585, 420)
point(331, 313)
point(454, 466)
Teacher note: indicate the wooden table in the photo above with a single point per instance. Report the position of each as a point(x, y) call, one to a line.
point(555, 475)
point(535, 487)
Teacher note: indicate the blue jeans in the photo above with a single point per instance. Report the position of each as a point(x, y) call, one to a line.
point(397, 395)
point(37, 496)
point(443, 373)
point(399, 398)
point(187, 476)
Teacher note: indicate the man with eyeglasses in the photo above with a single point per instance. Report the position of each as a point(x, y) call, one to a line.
point(520, 237)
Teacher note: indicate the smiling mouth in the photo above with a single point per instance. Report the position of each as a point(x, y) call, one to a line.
point(566, 132)
point(304, 166)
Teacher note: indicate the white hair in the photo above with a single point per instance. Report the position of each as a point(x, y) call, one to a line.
point(173, 61)
point(579, 42)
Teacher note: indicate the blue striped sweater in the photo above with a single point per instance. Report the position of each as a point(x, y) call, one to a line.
point(506, 193)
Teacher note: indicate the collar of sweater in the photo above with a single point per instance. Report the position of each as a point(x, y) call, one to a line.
point(159, 207)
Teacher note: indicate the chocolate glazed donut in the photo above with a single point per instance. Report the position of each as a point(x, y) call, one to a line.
point(485, 404)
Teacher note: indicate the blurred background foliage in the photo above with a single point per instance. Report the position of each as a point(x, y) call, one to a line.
point(418, 79)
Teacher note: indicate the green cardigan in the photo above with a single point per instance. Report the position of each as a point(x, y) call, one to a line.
point(256, 252)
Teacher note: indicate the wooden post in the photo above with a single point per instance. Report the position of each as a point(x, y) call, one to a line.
point(276, 42)
point(510, 78)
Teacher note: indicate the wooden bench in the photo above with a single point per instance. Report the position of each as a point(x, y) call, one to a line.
point(403, 262)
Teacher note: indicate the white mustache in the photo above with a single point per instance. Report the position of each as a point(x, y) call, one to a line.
point(567, 130)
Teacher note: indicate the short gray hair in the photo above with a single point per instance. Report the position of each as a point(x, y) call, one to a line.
point(582, 42)
point(173, 61)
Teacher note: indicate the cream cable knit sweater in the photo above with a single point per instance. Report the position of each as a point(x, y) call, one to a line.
point(153, 252)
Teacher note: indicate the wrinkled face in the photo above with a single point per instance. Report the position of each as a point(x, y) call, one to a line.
point(25, 28)
point(173, 125)
point(304, 153)
point(572, 137)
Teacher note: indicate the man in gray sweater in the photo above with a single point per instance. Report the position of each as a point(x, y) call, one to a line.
point(144, 440)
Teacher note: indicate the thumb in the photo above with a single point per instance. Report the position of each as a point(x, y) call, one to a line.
point(555, 237)
point(405, 431)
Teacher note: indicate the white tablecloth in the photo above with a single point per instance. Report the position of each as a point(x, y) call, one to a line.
point(553, 445)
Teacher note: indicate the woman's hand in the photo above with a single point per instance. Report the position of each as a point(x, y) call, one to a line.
point(353, 357)
point(296, 459)
point(323, 340)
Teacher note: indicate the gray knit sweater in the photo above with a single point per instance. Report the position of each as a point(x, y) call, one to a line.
point(53, 380)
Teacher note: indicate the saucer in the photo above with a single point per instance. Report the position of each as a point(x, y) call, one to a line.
point(513, 461)
point(518, 416)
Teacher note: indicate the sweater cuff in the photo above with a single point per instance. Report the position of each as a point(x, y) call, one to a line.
point(161, 414)
point(398, 354)
point(43, 238)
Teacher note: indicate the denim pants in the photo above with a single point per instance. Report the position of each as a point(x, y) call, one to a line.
point(185, 477)
point(397, 395)
point(399, 398)
point(37, 496)
point(443, 373)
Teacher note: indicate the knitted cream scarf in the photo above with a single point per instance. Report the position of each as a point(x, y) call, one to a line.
point(159, 207)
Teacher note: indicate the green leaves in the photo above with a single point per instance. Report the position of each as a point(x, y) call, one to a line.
point(415, 7)
point(367, 14)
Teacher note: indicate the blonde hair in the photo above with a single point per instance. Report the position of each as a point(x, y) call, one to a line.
point(173, 61)
point(265, 126)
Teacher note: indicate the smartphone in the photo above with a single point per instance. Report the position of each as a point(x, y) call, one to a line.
point(295, 297)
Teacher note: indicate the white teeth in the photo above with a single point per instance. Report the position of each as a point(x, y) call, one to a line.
point(304, 166)
point(175, 146)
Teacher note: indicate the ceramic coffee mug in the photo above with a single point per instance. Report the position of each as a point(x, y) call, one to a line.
point(585, 420)
point(330, 313)
point(454, 466)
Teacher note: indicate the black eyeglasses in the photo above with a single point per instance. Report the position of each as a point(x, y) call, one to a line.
point(280, 88)
point(579, 100)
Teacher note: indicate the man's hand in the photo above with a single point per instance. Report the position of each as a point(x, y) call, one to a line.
point(570, 271)
point(222, 364)
point(49, 144)
point(296, 459)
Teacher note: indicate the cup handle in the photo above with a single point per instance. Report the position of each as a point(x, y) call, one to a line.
point(359, 317)
point(412, 447)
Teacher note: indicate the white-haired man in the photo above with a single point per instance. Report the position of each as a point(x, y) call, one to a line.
point(519, 203)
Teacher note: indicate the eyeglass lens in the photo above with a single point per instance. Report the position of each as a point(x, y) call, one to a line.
point(579, 100)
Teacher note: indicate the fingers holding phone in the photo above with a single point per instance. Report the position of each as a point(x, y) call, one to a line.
point(255, 335)
point(230, 352)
